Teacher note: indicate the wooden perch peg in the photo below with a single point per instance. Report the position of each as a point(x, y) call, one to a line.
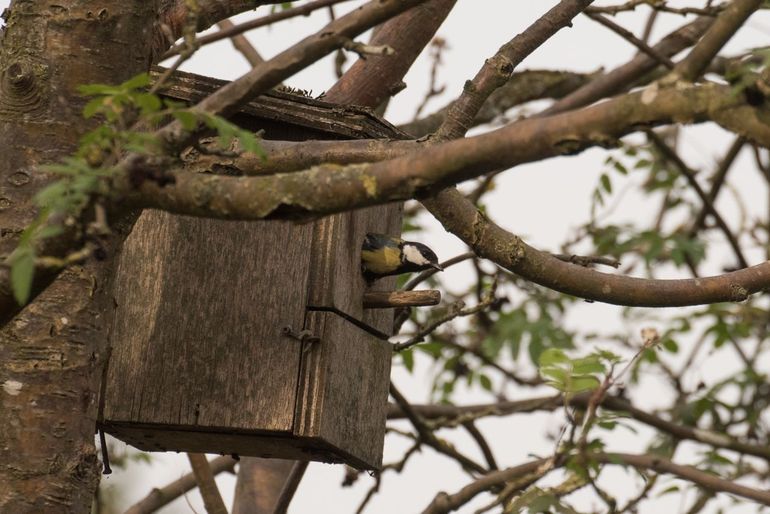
point(394, 299)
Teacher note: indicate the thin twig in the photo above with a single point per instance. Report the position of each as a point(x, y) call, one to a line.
point(708, 204)
point(301, 10)
point(428, 437)
point(629, 36)
point(456, 312)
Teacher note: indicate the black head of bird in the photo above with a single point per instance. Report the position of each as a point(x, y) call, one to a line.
point(383, 255)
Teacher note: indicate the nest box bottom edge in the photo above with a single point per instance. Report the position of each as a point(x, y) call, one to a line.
point(269, 445)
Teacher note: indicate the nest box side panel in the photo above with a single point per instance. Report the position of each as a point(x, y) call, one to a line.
point(336, 282)
point(344, 389)
point(200, 307)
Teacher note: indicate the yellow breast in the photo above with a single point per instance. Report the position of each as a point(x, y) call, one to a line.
point(384, 260)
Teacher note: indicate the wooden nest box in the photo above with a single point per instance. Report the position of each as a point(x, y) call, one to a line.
point(251, 338)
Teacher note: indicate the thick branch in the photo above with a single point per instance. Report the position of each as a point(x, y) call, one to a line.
point(330, 188)
point(373, 80)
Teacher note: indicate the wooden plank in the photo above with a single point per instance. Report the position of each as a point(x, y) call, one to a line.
point(395, 299)
point(344, 388)
point(275, 108)
point(198, 334)
point(336, 282)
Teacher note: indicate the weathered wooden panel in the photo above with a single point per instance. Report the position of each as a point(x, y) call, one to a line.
point(344, 388)
point(275, 111)
point(224, 441)
point(200, 361)
point(198, 334)
point(336, 282)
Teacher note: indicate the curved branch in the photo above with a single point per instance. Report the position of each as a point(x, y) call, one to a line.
point(490, 241)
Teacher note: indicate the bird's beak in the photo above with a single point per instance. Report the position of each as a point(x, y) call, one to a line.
point(437, 267)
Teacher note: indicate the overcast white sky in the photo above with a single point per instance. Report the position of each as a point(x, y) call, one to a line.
point(541, 202)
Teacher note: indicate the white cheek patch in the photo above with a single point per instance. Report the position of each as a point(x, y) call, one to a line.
point(413, 255)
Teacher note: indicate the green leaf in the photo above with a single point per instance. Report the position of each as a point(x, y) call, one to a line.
point(407, 356)
point(136, 82)
point(553, 356)
point(93, 107)
point(557, 374)
point(22, 273)
point(148, 103)
point(250, 143)
point(606, 182)
point(485, 382)
point(670, 345)
point(188, 120)
point(587, 366)
point(49, 231)
point(578, 384)
point(98, 89)
point(668, 490)
point(432, 349)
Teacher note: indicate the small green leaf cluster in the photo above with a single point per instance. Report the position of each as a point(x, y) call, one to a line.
point(534, 324)
point(574, 375)
point(282, 6)
point(743, 75)
point(652, 245)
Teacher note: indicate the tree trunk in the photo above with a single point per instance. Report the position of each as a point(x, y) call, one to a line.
point(52, 354)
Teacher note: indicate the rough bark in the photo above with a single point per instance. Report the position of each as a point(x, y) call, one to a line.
point(375, 79)
point(259, 484)
point(52, 353)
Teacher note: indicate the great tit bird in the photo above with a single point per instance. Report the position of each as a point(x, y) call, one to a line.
point(383, 255)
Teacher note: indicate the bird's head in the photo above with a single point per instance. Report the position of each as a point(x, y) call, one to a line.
point(418, 257)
